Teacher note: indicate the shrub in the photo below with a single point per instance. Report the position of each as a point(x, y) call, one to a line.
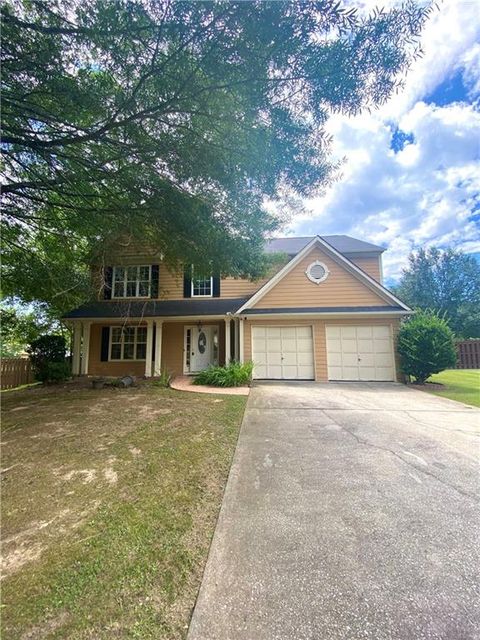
point(426, 345)
point(163, 380)
point(232, 375)
point(52, 372)
point(47, 354)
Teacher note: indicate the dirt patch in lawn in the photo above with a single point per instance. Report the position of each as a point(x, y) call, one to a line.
point(110, 498)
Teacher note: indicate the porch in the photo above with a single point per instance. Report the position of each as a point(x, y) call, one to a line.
point(146, 347)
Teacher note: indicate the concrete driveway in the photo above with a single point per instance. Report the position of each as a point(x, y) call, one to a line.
point(351, 512)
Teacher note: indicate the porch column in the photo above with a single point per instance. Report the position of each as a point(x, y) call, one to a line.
point(157, 368)
point(235, 345)
point(148, 357)
point(76, 346)
point(241, 340)
point(228, 351)
point(85, 347)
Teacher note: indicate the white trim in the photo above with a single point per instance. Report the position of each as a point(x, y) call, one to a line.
point(206, 295)
point(369, 281)
point(236, 339)
point(114, 321)
point(157, 368)
point(76, 348)
point(228, 347)
point(328, 314)
point(85, 347)
point(148, 349)
point(137, 284)
point(241, 340)
point(317, 263)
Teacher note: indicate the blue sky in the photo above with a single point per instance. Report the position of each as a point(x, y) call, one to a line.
point(411, 175)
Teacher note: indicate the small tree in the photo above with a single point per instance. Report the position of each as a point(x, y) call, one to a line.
point(47, 354)
point(426, 345)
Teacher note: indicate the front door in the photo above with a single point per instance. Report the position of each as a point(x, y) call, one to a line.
point(201, 347)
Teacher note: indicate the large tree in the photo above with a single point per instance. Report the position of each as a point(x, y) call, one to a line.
point(174, 121)
point(447, 282)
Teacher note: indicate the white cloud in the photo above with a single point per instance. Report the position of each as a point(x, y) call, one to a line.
point(425, 193)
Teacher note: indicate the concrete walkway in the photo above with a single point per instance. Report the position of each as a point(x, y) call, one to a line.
point(185, 383)
point(351, 512)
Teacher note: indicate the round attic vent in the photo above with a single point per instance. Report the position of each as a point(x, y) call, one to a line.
point(317, 272)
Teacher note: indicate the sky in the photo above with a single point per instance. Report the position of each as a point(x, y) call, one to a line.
point(411, 175)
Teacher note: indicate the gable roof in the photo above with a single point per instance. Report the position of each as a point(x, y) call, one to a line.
point(340, 258)
point(342, 243)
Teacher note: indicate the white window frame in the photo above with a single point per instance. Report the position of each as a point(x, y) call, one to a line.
point(137, 280)
point(317, 263)
point(200, 295)
point(122, 343)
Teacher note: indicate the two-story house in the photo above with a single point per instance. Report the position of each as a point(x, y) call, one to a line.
point(324, 315)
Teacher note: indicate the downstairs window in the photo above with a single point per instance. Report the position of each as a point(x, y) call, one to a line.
point(128, 343)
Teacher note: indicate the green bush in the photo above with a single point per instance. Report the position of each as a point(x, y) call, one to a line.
point(52, 372)
point(234, 374)
point(426, 345)
point(47, 354)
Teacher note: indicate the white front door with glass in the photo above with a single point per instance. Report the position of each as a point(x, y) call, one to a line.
point(201, 347)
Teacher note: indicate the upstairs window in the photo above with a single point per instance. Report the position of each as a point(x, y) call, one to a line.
point(202, 286)
point(132, 282)
point(128, 343)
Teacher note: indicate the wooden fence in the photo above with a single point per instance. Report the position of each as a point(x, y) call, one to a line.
point(468, 354)
point(15, 372)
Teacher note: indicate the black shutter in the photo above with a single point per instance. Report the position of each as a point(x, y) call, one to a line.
point(216, 286)
point(107, 286)
point(187, 284)
point(154, 283)
point(105, 341)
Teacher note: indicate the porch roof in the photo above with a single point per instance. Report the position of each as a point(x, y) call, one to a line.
point(156, 308)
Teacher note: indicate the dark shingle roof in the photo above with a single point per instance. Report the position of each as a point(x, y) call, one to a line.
point(158, 308)
point(344, 244)
point(322, 310)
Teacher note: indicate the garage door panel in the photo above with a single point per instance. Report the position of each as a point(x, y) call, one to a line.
point(305, 359)
point(349, 346)
point(360, 352)
point(274, 358)
point(381, 332)
point(289, 345)
point(365, 346)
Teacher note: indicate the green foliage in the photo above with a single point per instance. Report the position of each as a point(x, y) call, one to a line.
point(163, 380)
point(426, 345)
point(174, 122)
point(447, 282)
point(234, 374)
point(53, 372)
point(47, 354)
point(19, 327)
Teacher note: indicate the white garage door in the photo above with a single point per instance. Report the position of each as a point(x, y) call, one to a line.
point(283, 353)
point(360, 353)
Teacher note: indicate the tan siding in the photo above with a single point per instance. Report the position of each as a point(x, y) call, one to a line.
point(339, 289)
point(319, 337)
point(369, 265)
point(239, 287)
point(170, 284)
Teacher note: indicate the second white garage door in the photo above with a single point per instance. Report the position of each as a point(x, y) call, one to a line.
point(360, 353)
point(283, 353)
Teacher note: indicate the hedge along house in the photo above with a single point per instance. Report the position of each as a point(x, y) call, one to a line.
point(324, 315)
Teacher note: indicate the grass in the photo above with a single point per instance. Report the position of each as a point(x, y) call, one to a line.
point(110, 499)
point(462, 385)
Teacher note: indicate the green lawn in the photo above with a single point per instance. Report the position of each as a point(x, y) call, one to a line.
point(462, 385)
point(110, 500)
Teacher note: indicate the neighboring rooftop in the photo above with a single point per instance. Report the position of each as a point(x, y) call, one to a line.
point(343, 244)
